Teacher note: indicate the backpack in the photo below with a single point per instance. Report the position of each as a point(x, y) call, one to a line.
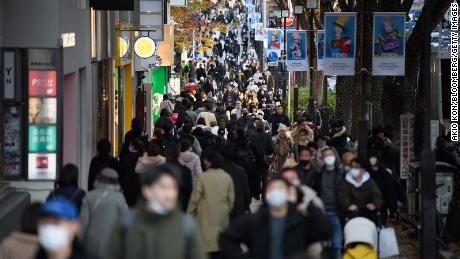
point(247, 159)
point(188, 226)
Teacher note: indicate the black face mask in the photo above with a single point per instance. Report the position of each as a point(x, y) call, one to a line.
point(245, 115)
point(304, 162)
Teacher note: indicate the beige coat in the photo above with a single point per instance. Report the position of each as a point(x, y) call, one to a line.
point(19, 245)
point(211, 202)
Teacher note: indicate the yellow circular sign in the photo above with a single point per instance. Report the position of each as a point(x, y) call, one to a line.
point(123, 46)
point(144, 47)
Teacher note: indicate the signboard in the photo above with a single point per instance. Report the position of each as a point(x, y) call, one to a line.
point(388, 44)
point(296, 59)
point(42, 83)
point(407, 146)
point(340, 44)
point(8, 75)
point(42, 166)
point(152, 18)
point(320, 50)
point(273, 46)
point(12, 141)
point(68, 39)
point(259, 32)
point(42, 138)
point(42, 110)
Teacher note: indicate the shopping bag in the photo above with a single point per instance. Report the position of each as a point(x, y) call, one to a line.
point(388, 244)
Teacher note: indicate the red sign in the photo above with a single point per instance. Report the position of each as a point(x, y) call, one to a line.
point(42, 162)
point(42, 83)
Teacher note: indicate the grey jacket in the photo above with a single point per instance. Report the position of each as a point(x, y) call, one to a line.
point(101, 208)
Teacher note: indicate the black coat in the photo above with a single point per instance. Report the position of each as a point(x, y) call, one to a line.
point(254, 231)
point(98, 163)
point(185, 182)
point(241, 185)
point(129, 180)
point(387, 186)
point(78, 252)
point(277, 119)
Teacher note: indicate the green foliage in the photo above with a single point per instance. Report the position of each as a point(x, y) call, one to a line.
point(304, 95)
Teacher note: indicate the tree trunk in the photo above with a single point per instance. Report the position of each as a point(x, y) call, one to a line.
point(343, 102)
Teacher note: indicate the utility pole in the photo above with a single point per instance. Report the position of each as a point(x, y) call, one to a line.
point(428, 170)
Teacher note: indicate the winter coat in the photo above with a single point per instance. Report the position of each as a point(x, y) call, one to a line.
point(359, 194)
point(72, 193)
point(208, 117)
point(78, 252)
point(253, 230)
point(185, 182)
point(191, 161)
point(98, 163)
point(168, 105)
point(307, 177)
point(241, 185)
point(277, 119)
point(340, 141)
point(318, 179)
point(101, 209)
point(387, 186)
point(19, 245)
point(147, 163)
point(211, 202)
point(360, 251)
point(147, 235)
point(129, 180)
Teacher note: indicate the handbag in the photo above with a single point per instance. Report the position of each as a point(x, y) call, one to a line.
point(388, 244)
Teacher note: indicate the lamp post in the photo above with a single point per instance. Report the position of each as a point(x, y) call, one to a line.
point(298, 11)
point(362, 147)
point(284, 15)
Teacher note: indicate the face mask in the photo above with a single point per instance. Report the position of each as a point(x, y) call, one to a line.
point(277, 198)
point(373, 161)
point(304, 162)
point(329, 160)
point(53, 237)
point(155, 206)
point(354, 172)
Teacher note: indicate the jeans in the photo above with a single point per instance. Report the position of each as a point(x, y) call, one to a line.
point(336, 240)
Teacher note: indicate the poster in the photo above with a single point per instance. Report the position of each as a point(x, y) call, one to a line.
point(273, 46)
point(296, 59)
point(259, 32)
point(320, 50)
point(42, 110)
point(42, 166)
point(42, 138)
point(388, 44)
point(407, 145)
point(340, 44)
point(42, 83)
point(12, 154)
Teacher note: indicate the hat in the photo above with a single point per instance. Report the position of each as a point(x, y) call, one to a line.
point(360, 230)
point(341, 21)
point(109, 173)
point(60, 207)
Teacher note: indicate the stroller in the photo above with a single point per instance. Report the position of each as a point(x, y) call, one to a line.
point(361, 239)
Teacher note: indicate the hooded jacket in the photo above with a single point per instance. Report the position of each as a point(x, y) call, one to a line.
point(359, 193)
point(191, 161)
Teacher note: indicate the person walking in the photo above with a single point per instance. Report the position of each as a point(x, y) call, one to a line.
point(211, 202)
point(189, 159)
point(277, 230)
point(67, 186)
point(129, 179)
point(150, 159)
point(157, 228)
point(359, 194)
point(167, 104)
point(102, 207)
point(305, 167)
point(283, 149)
point(279, 118)
point(102, 160)
point(58, 228)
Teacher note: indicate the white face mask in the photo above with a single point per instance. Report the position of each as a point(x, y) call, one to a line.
point(329, 160)
point(53, 237)
point(277, 198)
point(373, 161)
point(155, 206)
point(354, 172)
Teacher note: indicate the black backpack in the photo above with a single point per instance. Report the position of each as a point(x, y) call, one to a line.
point(247, 159)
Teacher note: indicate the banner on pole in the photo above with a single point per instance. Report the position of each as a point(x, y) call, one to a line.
point(388, 44)
point(259, 34)
point(273, 46)
point(296, 50)
point(340, 44)
point(320, 50)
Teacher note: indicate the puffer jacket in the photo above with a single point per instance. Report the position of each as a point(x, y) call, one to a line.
point(192, 162)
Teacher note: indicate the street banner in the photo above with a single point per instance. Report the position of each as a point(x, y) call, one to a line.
point(340, 39)
point(320, 50)
point(296, 50)
point(388, 48)
point(274, 46)
point(259, 34)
